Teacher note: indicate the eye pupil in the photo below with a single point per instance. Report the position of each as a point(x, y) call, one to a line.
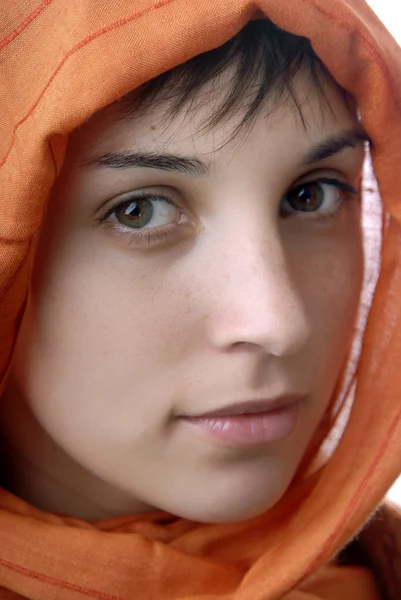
point(135, 213)
point(307, 198)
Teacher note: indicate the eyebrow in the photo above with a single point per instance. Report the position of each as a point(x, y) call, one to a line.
point(191, 165)
point(151, 160)
point(335, 145)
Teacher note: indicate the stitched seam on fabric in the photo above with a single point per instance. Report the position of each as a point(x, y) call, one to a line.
point(27, 21)
point(356, 496)
point(73, 50)
point(57, 582)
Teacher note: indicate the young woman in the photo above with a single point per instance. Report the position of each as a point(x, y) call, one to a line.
point(199, 393)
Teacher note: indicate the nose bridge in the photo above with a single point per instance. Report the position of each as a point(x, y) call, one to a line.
point(257, 300)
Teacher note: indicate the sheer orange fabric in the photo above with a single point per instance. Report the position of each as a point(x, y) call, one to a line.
point(53, 60)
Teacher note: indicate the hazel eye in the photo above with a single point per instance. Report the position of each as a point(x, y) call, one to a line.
point(146, 213)
point(309, 197)
point(324, 196)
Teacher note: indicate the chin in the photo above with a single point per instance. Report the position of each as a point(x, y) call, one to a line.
point(221, 515)
point(219, 511)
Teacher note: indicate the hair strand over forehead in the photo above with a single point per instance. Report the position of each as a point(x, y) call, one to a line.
point(264, 61)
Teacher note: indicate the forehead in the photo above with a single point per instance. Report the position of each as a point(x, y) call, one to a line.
point(291, 125)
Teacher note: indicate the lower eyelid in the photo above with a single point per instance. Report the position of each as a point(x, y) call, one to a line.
point(140, 236)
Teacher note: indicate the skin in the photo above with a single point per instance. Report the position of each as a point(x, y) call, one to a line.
point(235, 302)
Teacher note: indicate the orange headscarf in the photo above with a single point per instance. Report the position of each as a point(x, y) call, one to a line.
point(54, 56)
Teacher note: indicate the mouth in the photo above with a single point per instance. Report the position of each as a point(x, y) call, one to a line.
point(253, 407)
point(250, 423)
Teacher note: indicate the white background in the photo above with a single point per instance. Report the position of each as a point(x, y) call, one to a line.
point(389, 12)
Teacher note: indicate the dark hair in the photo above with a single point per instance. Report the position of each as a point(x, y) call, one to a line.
point(265, 60)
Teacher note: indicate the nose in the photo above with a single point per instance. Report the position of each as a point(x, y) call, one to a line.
point(255, 298)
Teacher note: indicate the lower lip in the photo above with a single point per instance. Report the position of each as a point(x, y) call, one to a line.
point(250, 429)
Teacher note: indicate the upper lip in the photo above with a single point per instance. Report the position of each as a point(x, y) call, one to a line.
point(251, 407)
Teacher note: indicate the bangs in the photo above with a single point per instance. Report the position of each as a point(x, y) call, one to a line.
point(263, 63)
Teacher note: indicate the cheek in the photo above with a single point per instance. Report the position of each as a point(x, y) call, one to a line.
point(108, 334)
point(339, 291)
point(96, 346)
point(329, 274)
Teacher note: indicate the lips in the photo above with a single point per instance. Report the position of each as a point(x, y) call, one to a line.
point(252, 407)
point(247, 424)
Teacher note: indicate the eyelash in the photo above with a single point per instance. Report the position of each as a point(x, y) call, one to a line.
point(140, 235)
point(349, 192)
point(152, 235)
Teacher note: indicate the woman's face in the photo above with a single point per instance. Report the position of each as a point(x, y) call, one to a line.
point(177, 275)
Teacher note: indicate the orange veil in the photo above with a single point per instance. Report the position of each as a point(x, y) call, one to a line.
point(53, 59)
